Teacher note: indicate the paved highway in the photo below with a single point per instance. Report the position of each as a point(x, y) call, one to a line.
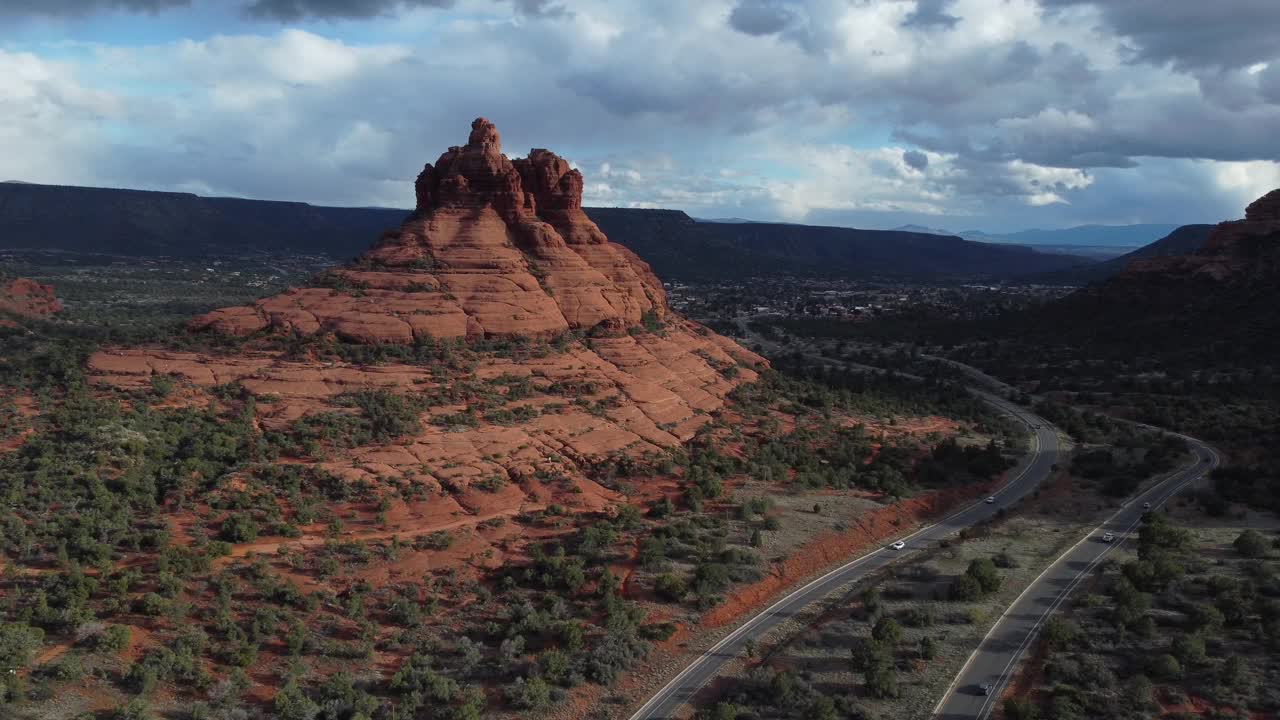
point(1032, 471)
point(993, 662)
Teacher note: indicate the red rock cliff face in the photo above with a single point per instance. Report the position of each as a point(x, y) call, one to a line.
point(27, 298)
point(494, 248)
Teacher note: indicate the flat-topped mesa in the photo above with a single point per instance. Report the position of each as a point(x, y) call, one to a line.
point(494, 248)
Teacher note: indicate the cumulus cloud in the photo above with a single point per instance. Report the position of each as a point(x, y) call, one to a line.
point(1191, 33)
point(49, 120)
point(1022, 111)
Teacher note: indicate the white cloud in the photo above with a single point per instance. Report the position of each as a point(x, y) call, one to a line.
point(49, 121)
point(1246, 181)
point(808, 109)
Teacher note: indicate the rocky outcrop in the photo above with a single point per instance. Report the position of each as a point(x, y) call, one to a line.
point(26, 298)
point(1265, 208)
point(1237, 252)
point(494, 248)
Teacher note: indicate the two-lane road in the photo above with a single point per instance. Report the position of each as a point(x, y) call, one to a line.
point(1034, 469)
point(993, 662)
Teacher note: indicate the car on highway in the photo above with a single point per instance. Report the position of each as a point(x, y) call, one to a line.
point(898, 545)
point(1108, 537)
point(984, 689)
point(1146, 506)
point(991, 499)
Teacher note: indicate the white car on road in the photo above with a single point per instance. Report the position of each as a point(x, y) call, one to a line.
point(991, 500)
point(1108, 537)
point(898, 545)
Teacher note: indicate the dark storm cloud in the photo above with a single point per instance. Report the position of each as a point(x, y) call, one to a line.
point(1192, 33)
point(288, 10)
point(761, 17)
point(291, 10)
point(931, 14)
point(84, 7)
point(915, 159)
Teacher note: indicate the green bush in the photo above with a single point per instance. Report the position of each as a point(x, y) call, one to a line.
point(113, 639)
point(1252, 544)
point(238, 528)
point(1021, 708)
point(17, 642)
point(1165, 668)
point(529, 694)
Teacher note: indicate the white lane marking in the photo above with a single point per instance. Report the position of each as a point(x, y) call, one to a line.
point(659, 697)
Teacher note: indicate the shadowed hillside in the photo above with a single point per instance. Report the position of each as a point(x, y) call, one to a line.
point(1185, 239)
point(135, 223)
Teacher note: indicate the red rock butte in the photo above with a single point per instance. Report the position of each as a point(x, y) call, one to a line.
point(494, 248)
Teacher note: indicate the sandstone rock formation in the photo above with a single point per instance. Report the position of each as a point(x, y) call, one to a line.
point(26, 298)
point(497, 254)
point(494, 248)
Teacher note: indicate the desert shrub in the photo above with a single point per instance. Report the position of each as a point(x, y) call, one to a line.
point(1004, 560)
point(1059, 633)
point(135, 709)
point(965, 588)
point(928, 648)
point(554, 665)
point(529, 693)
point(291, 703)
point(1189, 650)
point(614, 654)
point(887, 632)
point(1021, 708)
point(719, 711)
point(238, 528)
point(1165, 668)
point(17, 642)
point(919, 616)
point(1251, 544)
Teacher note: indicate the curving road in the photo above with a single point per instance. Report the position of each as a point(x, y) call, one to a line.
point(993, 662)
point(1034, 469)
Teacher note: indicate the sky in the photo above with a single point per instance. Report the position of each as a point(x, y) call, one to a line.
point(958, 114)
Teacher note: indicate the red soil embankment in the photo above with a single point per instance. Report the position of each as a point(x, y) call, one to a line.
point(831, 548)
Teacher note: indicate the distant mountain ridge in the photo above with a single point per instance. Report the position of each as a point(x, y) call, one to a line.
point(140, 223)
point(1085, 235)
point(1183, 240)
